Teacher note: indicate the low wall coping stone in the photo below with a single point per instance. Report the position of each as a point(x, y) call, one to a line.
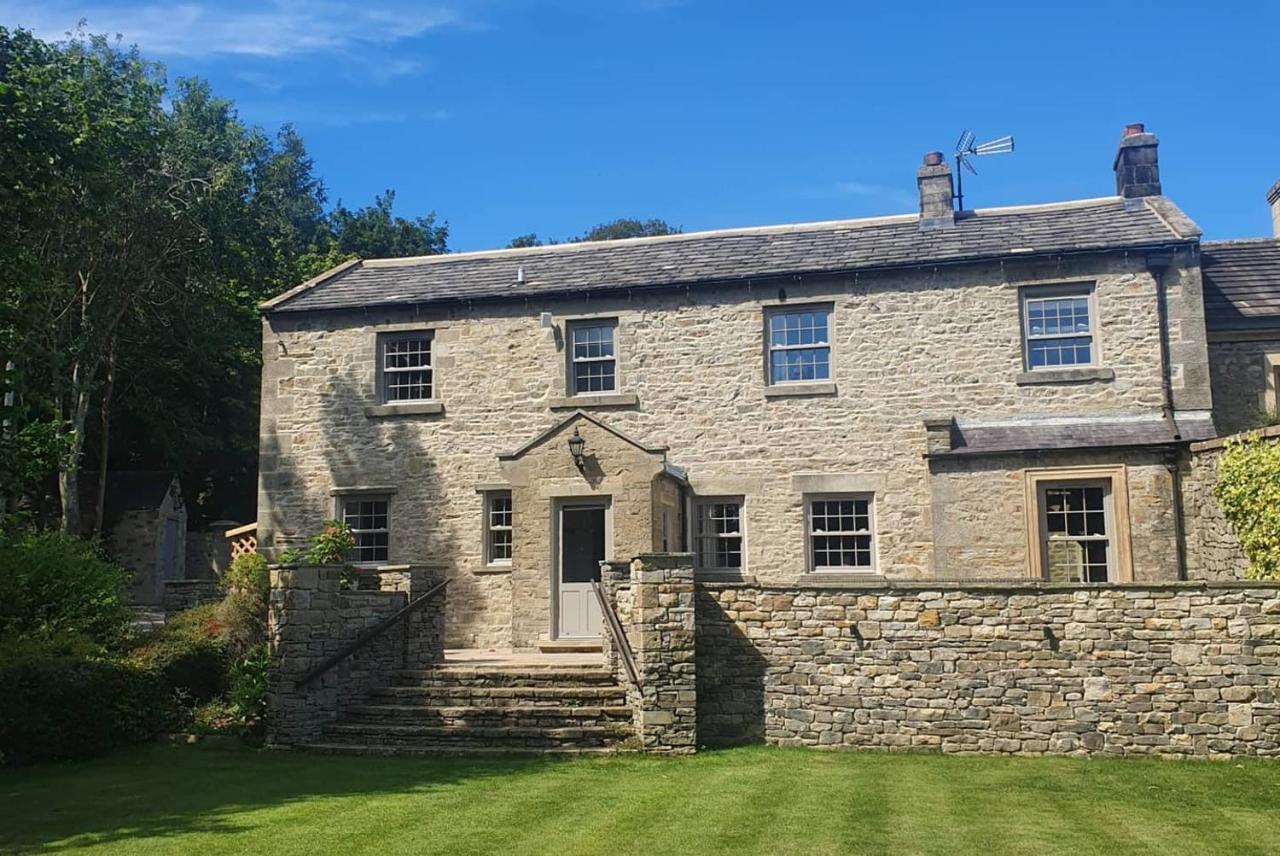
point(1029, 586)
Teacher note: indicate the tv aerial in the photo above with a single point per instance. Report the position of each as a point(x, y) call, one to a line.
point(966, 151)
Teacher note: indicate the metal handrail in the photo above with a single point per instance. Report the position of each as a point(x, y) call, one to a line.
point(619, 635)
point(369, 634)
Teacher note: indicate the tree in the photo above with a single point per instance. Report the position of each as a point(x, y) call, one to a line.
point(625, 228)
point(374, 233)
point(612, 231)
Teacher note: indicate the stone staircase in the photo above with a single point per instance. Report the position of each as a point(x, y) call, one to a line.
point(530, 708)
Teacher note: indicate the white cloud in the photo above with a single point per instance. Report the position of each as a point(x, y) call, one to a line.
point(274, 28)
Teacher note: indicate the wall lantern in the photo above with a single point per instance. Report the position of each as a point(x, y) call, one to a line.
point(576, 444)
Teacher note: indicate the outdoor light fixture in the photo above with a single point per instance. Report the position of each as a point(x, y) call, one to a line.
point(576, 443)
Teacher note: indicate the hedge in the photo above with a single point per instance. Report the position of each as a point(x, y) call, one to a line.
point(64, 708)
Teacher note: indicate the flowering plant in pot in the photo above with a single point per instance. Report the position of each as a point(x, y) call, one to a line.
point(329, 546)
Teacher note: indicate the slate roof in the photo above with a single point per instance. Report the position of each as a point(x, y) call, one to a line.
point(1033, 435)
point(1241, 284)
point(740, 254)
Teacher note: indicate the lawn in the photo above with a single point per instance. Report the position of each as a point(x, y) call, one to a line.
point(179, 799)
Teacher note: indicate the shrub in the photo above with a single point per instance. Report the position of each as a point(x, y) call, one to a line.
point(248, 574)
point(51, 709)
point(188, 654)
point(62, 590)
point(1248, 490)
point(330, 544)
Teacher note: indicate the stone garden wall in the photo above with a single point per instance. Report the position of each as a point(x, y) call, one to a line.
point(312, 617)
point(1166, 669)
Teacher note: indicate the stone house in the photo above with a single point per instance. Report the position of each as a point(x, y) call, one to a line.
point(1242, 314)
point(998, 394)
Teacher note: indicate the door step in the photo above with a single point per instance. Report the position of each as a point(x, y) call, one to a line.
point(570, 646)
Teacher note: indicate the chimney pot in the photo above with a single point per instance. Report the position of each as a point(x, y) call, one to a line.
point(1137, 164)
point(932, 158)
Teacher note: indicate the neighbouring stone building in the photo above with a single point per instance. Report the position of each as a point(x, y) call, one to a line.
point(882, 442)
point(144, 526)
point(1242, 315)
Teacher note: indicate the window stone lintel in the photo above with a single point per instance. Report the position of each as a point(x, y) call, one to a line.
point(588, 400)
point(838, 483)
point(416, 408)
point(1072, 375)
point(795, 390)
point(365, 490)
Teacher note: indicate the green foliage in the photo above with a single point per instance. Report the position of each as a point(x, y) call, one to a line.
point(292, 556)
point(51, 709)
point(62, 593)
point(612, 231)
point(329, 546)
point(188, 655)
point(1248, 491)
point(140, 226)
point(248, 574)
point(627, 228)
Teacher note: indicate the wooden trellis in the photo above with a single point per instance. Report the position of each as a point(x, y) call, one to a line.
point(244, 540)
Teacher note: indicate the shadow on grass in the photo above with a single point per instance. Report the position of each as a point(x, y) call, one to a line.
point(167, 790)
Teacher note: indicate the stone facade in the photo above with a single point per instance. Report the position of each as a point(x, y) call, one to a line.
point(1170, 669)
point(1244, 370)
point(312, 618)
point(906, 345)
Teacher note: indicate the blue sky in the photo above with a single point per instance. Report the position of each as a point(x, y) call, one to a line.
point(508, 117)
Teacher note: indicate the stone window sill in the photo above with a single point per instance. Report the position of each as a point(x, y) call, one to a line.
point(1081, 375)
point(586, 402)
point(485, 570)
point(723, 577)
point(419, 408)
point(796, 390)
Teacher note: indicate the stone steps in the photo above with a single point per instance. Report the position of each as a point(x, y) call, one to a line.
point(543, 716)
point(470, 736)
point(461, 695)
point(489, 709)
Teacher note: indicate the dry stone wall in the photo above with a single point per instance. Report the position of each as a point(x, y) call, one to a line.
point(1172, 669)
point(312, 618)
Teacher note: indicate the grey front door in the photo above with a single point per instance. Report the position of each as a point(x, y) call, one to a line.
point(582, 548)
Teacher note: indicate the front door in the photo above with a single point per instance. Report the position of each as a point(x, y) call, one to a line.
point(582, 548)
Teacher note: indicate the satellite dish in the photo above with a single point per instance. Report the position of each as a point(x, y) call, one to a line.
point(966, 150)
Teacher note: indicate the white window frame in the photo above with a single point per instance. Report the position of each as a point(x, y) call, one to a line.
point(774, 312)
point(1047, 538)
point(385, 372)
point(1035, 293)
point(490, 499)
point(342, 515)
point(572, 329)
point(810, 533)
point(699, 536)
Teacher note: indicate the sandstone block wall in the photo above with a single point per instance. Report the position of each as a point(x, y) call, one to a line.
point(312, 618)
point(1241, 391)
point(1173, 669)
point(691, 364)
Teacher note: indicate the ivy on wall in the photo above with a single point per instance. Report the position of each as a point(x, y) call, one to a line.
point(1248, 491)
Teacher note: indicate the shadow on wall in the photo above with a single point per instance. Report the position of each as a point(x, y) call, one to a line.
point(731, 678)
point(347, 448)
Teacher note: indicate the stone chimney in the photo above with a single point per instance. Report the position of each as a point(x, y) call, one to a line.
point(1273, 199)
point(1137, 165)
point(936, 192)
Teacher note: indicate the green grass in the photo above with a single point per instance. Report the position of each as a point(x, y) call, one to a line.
point(178, 799)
